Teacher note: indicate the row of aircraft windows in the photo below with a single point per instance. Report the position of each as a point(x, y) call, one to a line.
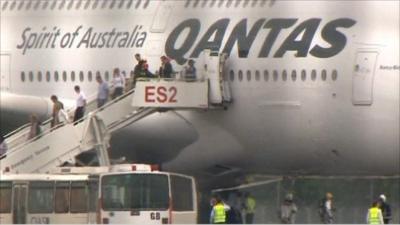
point(225, 3)
point(284, 75)
point(67, 76)
point(61, 4)
point(275, 75)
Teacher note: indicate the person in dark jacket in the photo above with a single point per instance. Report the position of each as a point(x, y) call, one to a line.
point(166, 67)
point(385, 208)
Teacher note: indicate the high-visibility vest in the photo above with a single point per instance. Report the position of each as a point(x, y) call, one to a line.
point(219, 213)
point(250, 205)
point(373, 217)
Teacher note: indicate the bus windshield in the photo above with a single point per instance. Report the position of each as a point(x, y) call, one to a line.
point(135, 192)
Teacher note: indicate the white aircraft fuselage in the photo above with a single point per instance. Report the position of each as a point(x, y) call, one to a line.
point(315, 84)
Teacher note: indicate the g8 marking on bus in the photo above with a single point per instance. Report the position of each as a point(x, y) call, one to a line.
point(155, 216)
point(160, 94)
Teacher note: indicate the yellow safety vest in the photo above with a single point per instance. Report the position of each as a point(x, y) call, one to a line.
point(219, 213)
point(374, 216)
point(250, 205)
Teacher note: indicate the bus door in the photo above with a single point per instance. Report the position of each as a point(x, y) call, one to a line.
point(5, 202)
point(19, 203)
point(184, 199)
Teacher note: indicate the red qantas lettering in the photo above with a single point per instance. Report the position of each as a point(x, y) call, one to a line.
point(149, 91)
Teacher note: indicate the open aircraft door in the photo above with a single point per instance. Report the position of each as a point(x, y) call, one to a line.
point(363, 77)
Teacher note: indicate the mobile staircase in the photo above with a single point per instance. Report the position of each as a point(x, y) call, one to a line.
point(61, 144)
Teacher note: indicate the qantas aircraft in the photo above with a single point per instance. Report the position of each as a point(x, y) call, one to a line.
point(314, 84)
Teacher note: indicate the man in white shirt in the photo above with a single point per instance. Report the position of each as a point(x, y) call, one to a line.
point(80, 104)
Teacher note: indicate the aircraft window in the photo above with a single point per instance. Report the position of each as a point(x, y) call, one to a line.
point(240, 75)
point(81, 77)
point(263, 2)
point(284, 75)
point(39, 77)
point(30, 76)
point(128, 6)
point(146, 4)
point(248, 75)
point(220, 3)
point(90, 76)
point(12, 6)
point(23, 76)
point(275, 75)
point(61, 6)
point(45, 4)
point(334, 75)
point(104, 4)
point(107, 76)
point(87, 4)
point(73, 75)
point(53, 5)
point(245, 3)
point(323, 75)
point(303, 75)
point(254, 4)
point(95, 4)
point(313, 75)
point(121, 4)
point(237, 3)
point(257, 75)
point(294, 75)
point(266, 75)
point(20, 5)
point(36, 5)
point(112, 4)
point(137, 4)
point(187, 3)
point(29, 5)
point(213, 3)
point(65, 76)
point(5, 4)
point(229, 3)
point(71, 3)
point(78, 5)
point(196, 2)
point(48, 76)
point(232, 75)
point(56, 76)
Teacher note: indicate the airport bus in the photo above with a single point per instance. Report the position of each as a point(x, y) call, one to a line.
point(130, 194)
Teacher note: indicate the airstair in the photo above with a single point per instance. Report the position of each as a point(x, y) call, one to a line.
point(59, 145)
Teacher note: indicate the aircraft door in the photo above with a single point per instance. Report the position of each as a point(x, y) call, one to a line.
point(5, 71)
point(363, 77)
point(19, 204)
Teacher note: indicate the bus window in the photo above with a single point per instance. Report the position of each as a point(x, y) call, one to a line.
point(41, 197)
point(5, 197)
point(135, 191)
point(78, 197)
point(93, 192)
point(182, 194)
point(62, 197)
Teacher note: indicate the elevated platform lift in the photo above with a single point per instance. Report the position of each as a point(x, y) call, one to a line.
point(58, 145)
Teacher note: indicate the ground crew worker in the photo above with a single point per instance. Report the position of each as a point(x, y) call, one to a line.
point(386, 209)
point(250, 205)
point(218, 212)
point(374, 215)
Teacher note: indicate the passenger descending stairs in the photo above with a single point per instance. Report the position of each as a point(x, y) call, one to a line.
point(58, 145)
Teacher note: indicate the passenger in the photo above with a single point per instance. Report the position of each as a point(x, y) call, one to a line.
point(35, 129)
point(57, 107)
point(138, 66)
point(102, 92)
point(386, 209)
point(374, 215)
point(80, 104)
point(166, 67)
point(145, 70)
point(219, 211)
point(190, 71)
point(326, 209)
point(118, 83)
point(250, 205)
point(3, 146)
point(288, 210)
